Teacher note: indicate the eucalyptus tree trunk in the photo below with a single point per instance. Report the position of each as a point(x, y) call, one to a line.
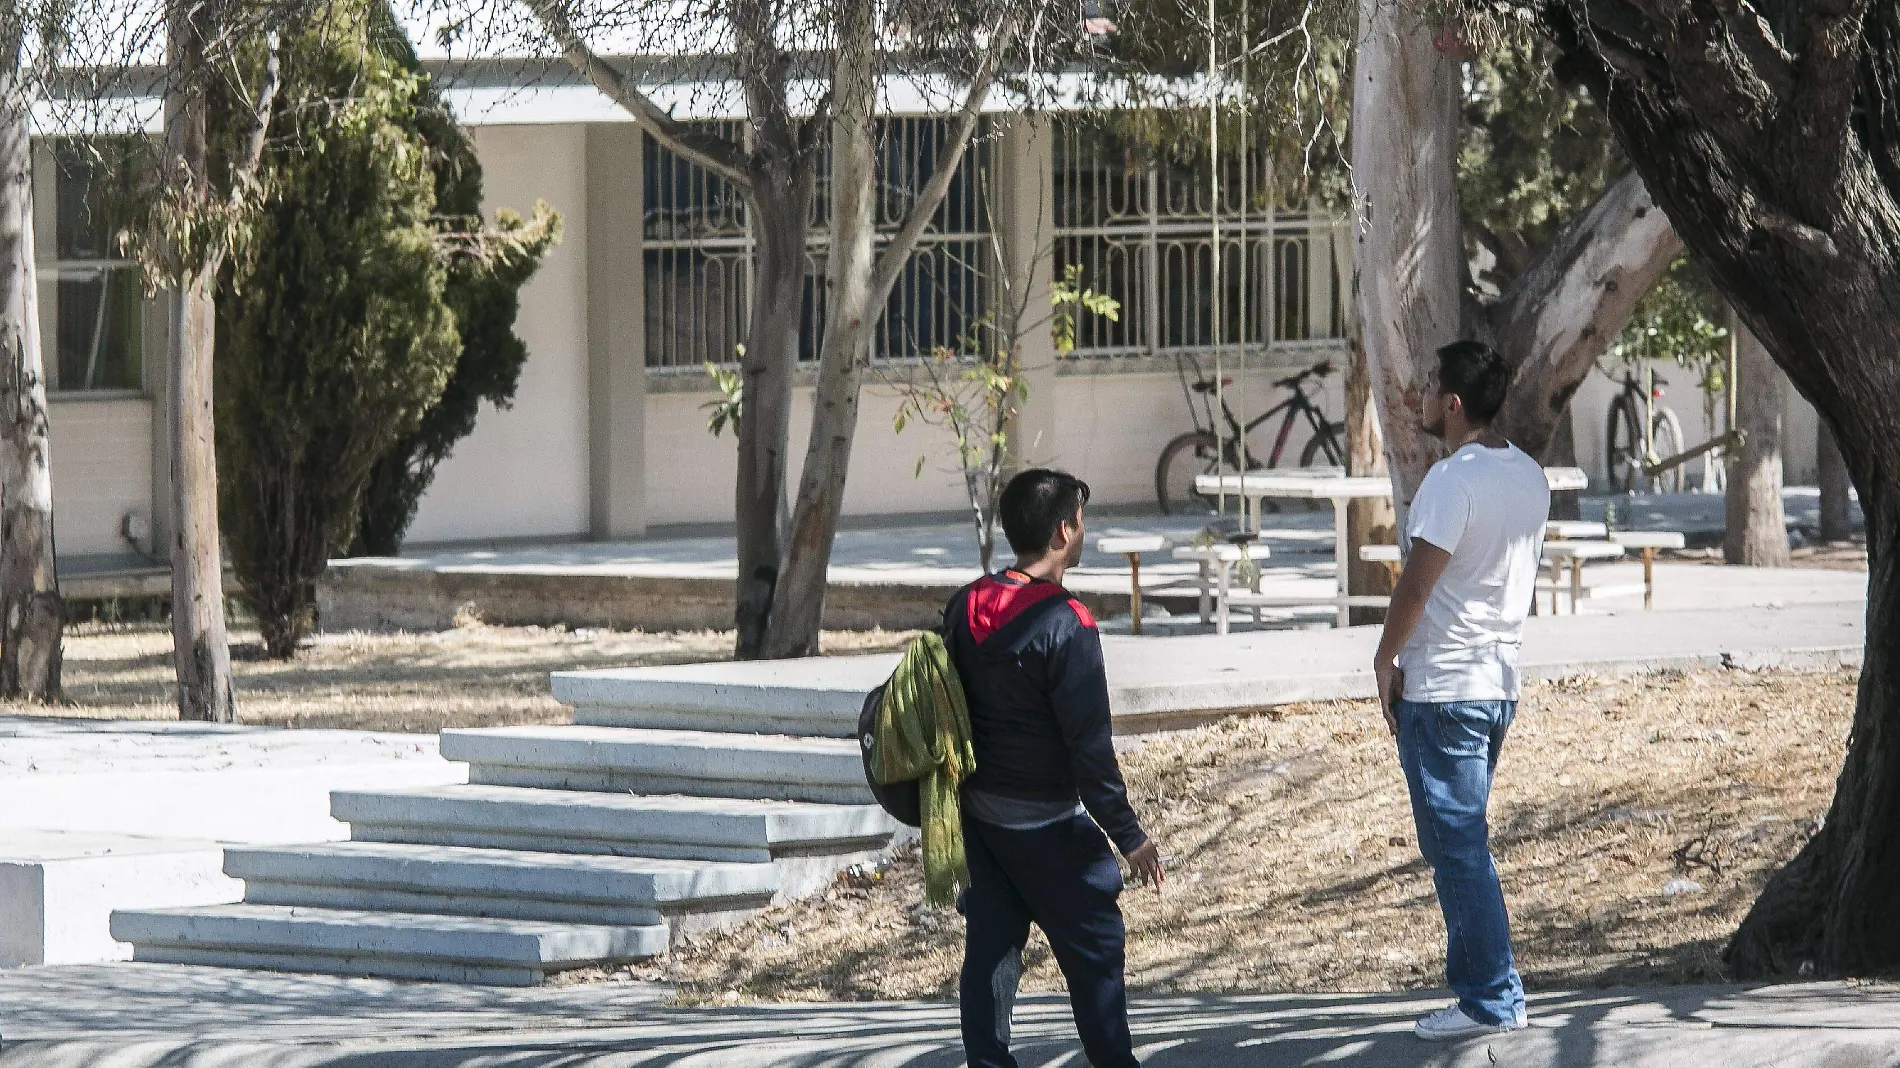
point(1562, 313)
point(200, 647)
point(1409, 242)
point(1757, 530)
point(1837, 515)
point(31, 615)
point(1369, 520)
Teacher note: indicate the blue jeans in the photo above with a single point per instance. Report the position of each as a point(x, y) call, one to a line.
point(1449, 752)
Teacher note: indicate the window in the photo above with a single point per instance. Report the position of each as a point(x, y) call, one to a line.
point(96, 312)
point(1142, 231)
point(698, 254)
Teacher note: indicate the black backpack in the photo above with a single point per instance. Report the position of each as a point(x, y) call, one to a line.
point(900, 799)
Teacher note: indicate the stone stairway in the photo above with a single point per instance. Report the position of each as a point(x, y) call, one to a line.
point(681, 801)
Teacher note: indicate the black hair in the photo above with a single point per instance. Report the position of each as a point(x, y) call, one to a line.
point(1477, 375)
point(1035, 503)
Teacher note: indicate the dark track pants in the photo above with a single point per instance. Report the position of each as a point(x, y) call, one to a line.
point(1062, 878)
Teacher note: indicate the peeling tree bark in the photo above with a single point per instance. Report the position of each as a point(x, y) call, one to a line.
point(1563, 313)
point(1757, 531)
point(1369, 520)
point(31, 613)
point(1407, 228)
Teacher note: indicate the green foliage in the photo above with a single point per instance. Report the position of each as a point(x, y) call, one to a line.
point(1069, 295)
point(335, 336)
point(1679, 320)
point(730, 407)
point(487, 266)
point(1535, 155)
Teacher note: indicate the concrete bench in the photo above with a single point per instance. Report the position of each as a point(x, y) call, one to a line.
point(1132, 547)
point(1649, 541)
point(1575, 530)
point(1576, 554)
point(1216, 578)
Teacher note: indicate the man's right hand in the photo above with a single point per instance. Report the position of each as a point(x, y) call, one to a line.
point(1145, 863)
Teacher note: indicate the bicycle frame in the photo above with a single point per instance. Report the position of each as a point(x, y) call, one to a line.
point(1234, 443)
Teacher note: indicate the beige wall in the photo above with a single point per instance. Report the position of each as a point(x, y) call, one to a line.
point(524, 471)
point(1110, 430)
point(102, 469)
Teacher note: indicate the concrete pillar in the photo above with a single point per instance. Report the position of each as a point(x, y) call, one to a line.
point(616, 333)
point(1025, 222)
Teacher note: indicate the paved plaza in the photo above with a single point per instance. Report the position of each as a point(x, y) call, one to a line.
point(162, 1016)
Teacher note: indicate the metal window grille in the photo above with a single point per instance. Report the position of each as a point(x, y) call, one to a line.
point(1142, 231)
point(698, 258)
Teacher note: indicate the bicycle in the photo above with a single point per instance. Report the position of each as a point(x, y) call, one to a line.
point(1641, 433)
point(1202, 452)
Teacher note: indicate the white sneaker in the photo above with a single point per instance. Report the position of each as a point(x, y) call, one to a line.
point(1450, 1024)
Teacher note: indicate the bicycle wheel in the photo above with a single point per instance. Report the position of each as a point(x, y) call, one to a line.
point(1623, 447)
point(1324, 447)
point(1665, 435)
point(1184, 459)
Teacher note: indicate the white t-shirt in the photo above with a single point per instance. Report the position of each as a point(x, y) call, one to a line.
point(1487, 508)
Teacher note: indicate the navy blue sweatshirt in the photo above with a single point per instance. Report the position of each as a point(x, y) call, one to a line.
point(1030, 660)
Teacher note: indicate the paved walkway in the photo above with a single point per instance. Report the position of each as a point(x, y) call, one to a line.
point(148, 1016)
point(1298, 561)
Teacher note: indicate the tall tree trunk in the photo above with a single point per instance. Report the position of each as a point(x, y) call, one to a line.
point(201, 650)
point(31, 614)
point(1405, 140)
point(781, 204)
point(798, 609)
point(1837, 516)
point(1772, 139)
point(1757, 532)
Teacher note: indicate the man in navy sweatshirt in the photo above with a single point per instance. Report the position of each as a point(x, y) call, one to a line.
point(1046, 785)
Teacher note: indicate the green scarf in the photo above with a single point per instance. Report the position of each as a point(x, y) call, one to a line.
point(923, 733)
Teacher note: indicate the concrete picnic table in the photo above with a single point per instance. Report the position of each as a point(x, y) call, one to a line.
point(1131, 546)
point(1331, 483)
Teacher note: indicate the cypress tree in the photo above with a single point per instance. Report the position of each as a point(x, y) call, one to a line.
point(338, 335)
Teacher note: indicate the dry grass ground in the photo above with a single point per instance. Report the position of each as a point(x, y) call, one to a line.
point(474, 676)
point(1295, 867)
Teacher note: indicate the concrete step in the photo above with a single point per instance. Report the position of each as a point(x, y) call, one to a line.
point(390, 944)
point(502, 884)
point(806, 698)
point(631, 825)
point(695, 763)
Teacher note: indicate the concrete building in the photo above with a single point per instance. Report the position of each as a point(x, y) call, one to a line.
point(607, 437)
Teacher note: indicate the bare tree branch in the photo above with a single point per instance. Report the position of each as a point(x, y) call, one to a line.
point(708, 151)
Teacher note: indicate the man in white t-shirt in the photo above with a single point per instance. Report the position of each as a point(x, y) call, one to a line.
point(1447, 670)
